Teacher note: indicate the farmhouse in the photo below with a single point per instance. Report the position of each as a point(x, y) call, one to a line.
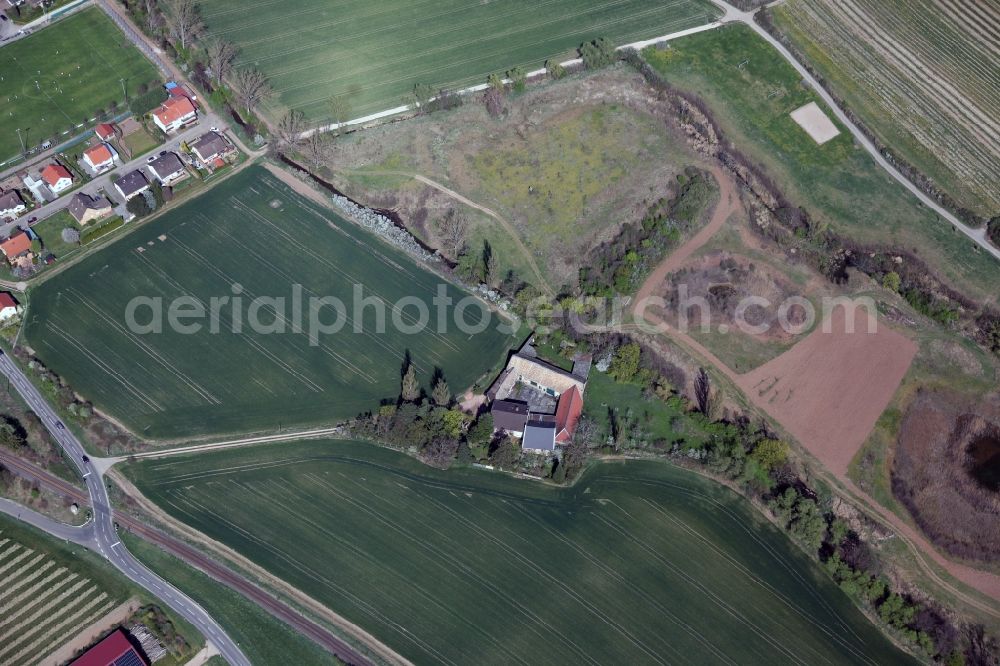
point(116, 649)
point(100, 158)
point(174, 113)
point(17, 245)
point(210, 146)
point(131, 184)
point(11, 204)
point(510, 416)
point(85, 208)
point(168, 169)
point(539, 435)
point(8, 306)
point(537, 401)
point(57, 177)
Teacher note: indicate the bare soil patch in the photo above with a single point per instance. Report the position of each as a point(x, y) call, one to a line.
point(724, 280)
point(816, 123)
point(947, 471)
point(830, 388)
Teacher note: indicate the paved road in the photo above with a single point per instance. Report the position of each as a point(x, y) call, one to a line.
point(104, 181)
point(183, 552)
point(105, 539)
point(82, 535)
point(978, 236)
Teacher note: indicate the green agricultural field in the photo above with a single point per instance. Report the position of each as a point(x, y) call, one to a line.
point(638, 562)
point(251, 240)
point(263, 639)
point(372, 54)
point(56, 81)
point(837, 182)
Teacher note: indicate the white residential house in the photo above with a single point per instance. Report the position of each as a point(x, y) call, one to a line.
point(100, 157)
point(8, 306)
point(168, 169)
point(57, 177)
point(174, 114)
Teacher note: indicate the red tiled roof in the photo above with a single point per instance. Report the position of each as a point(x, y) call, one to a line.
point(7, 301)
point(108, 651)
point(568, 413)
point(53, 172)
point(174, 109)
point(98, 154)
point(15, 245)
point(105, 131)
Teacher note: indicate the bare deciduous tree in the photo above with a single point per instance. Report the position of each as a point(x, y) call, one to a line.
point(453, 228)
point(220, 55)
point(251, 88)
point(289, 128)
point(70, 235)
point(184, 21)
point(703, 392)
point(154, 17)
point(316, 149)
point(340, 110)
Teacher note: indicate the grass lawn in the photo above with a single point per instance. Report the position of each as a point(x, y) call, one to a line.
point(50, 231)
point(837, 182)
point(373, 54)
point(892, 95)
point(638, 562)
point(140, 142)
point(57, 589)
point(251, 236)
point(263, 639)
point(77, 64)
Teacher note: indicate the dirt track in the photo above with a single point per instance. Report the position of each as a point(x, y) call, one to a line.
point(834, 386)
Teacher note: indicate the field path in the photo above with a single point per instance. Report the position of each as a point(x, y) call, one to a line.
point(508, 227)
point(733, 15)
point(831, 454)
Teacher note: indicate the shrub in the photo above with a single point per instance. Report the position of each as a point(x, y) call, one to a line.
point(891, 281)
point(598, 53)
point(554, 69)
point(518, 78)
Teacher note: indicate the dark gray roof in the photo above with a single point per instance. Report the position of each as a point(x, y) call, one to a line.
point(210, 144)
point(539, 434)
point(164, 165)
point(10, 199)
point(509, 415)
point(81, 203)
point(131, 182)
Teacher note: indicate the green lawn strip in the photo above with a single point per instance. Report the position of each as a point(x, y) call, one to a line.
point(50, 231)
point(837, 182)
point(77, 63)
point(252, 231)
point(382, 50)
point(637, 561)
point(88, 565)
point(263, 639)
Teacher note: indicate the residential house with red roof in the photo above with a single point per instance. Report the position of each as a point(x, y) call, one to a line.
point(107, 131)
point(8, 306)
point(100, 157)
point(15, 246)
point(174, 114)
point(114, 650)
point(57, 177)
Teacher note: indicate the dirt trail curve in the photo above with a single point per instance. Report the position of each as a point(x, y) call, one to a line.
point(982, 581)
point(507, 226)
